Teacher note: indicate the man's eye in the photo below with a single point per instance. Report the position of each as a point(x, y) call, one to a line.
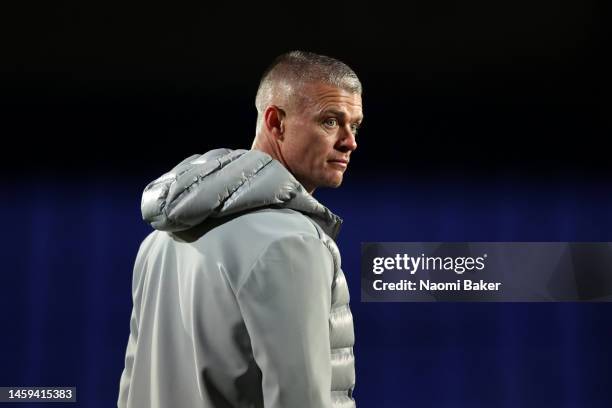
point(331, 122)
point(355, 128)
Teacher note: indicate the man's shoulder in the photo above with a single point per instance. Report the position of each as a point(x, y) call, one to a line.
point(239, 241)
point(250, 233)
point(247, 232)
point(274, 223)
point(252, 229)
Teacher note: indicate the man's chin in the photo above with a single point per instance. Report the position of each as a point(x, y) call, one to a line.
point(334, 183)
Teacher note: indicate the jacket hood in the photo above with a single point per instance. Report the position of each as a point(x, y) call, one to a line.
point(223, 182)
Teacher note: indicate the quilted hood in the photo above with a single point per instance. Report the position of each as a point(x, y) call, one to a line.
point(223, 182)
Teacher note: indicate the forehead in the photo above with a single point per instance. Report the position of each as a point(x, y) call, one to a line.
point(319, 97)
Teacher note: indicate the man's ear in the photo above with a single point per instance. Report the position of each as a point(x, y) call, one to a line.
point(274, 120)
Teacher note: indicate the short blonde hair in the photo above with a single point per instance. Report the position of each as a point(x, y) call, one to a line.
point(294, 69)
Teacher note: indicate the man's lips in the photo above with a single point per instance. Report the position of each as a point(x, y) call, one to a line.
point(339, 162)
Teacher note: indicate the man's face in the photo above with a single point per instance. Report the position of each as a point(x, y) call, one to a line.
point(319, 135)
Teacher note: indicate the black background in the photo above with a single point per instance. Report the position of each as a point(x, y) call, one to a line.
point(474, 87)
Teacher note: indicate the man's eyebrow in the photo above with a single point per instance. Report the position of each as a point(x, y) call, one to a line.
point(339, 113)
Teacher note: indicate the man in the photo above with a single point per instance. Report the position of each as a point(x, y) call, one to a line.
point(244, 303)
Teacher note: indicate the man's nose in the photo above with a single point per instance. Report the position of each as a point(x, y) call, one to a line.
point(347, 141)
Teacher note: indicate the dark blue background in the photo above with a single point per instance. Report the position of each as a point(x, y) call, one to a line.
point(69, 248)
point(484, 121)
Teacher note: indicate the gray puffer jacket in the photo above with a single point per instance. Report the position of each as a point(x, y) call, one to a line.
point(242, 303)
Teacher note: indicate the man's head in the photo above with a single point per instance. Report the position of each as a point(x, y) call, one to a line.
point(309, 109)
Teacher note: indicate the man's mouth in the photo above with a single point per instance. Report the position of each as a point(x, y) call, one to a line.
point(343, 163)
